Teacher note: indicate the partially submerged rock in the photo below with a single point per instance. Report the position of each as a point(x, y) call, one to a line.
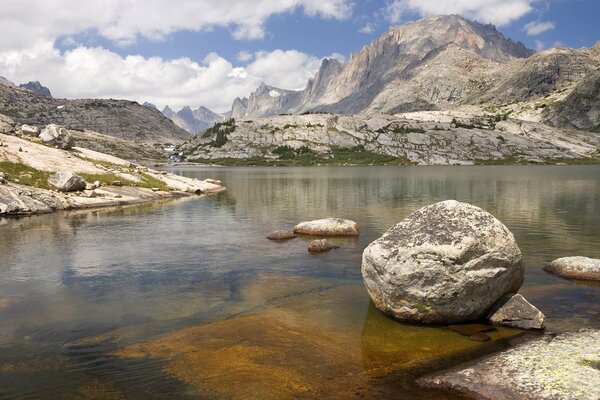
point(320, 246)
point(516, 312)
point(281, 235)
point(575, 268)
point(67, 181)
point(565, 367)
point(445, 263)
point(56, 135)
point(328, 227)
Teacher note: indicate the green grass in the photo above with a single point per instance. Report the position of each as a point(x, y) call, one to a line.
point(304, 157)
point(38, 179)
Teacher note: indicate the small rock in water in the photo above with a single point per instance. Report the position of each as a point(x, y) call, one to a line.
point(328, 227)
point(281, 235)
point(445, 263)
point(320, 246)
point(516, 312)
point(575, 268)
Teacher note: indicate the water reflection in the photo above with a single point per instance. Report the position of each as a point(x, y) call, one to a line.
point(79, 289)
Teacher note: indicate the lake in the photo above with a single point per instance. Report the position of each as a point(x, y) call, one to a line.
point(188, 299)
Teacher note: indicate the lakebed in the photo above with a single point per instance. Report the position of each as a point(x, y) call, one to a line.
point(188, 299)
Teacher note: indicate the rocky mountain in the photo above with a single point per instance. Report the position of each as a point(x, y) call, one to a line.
point(441, 63)
point(5, 82)
point(37, 88)
point(117, 118)
point(193, 121)
point(403, 54)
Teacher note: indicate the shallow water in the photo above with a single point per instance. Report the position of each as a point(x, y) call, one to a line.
point(187, 299)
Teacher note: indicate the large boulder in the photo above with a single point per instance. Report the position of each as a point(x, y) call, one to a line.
point(328, 227)
point(30, 130)
point(575, 268)
point(67, 181)
point(7, 125)
point(445, 263)
point(56, 135)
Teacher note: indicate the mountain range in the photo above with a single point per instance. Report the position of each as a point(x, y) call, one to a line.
point(439, 63)
point(193, 121)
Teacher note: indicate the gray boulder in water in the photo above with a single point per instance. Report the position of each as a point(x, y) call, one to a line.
point(445, 263)
point(67, 181)
point(328, 227)
point(56, 135)
point(575, 268)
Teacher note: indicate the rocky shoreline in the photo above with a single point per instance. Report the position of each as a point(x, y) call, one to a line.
point(31, 164)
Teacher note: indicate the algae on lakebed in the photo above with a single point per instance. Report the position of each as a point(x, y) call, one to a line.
point(313, 343)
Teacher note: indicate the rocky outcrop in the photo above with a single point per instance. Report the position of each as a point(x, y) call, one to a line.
point(281, 235)
point(445, 263)
point(121, 119)
point(516, 312)
point(328, 227)
point(462, 136)
point(7, 125)
point(575, 268)
point(565, 367)
point(67, 181)
point(36, 88)
point(320, 246)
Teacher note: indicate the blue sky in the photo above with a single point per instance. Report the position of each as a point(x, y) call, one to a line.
point(207, 52)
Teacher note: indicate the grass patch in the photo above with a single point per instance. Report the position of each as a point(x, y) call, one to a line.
point(305, 157)
point(25, 174)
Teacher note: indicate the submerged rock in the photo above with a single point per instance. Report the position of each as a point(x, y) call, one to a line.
point(575, 268)
point(320, 246)
point(328, 227)
point(67, 181)
point(564, 367)
point(56, 135)
point(281, 235)
point(516, 312)
point(445, 263)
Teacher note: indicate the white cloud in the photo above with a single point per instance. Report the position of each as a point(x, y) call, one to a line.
point(535, 28)
point(244, 56)
point(95, 72)
point(23, 23)
point(499, 12)
point(368, 28)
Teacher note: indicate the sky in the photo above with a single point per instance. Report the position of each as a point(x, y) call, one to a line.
point(208, 52)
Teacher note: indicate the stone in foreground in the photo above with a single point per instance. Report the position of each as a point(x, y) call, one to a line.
point(67, 181)
point(281, 235)
point(445, 263)
point(575, 268)
point(516, 312)
point(56, 135)
point(320, 246)
point(565, 367)
point(328, 227)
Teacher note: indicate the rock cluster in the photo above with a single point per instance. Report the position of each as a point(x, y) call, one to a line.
point(445, 263)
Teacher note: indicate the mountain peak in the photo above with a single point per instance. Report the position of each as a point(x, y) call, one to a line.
point(37, 88)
